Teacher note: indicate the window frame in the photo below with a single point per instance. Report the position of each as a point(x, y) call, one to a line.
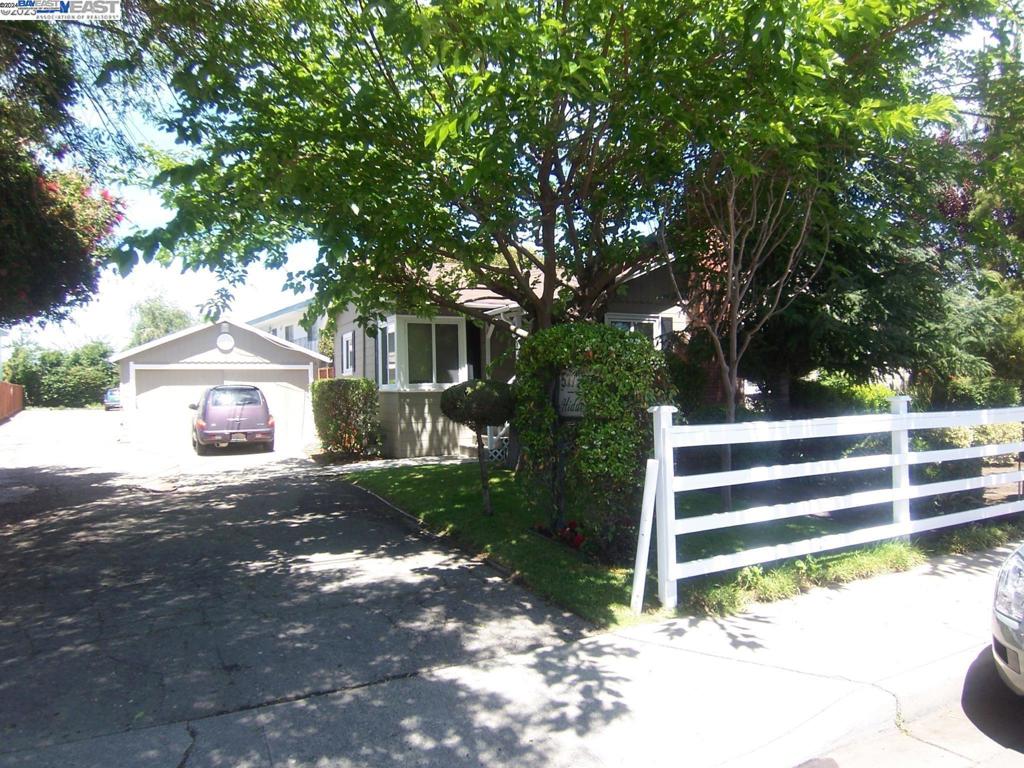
point(399, 325)
point(348, 347)
point(635, 317)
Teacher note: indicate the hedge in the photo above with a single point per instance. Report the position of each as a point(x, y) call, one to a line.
point(346, 414)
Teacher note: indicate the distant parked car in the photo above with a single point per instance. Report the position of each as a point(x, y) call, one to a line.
point(232, 414)
point(1008, 622)
point(112, 399)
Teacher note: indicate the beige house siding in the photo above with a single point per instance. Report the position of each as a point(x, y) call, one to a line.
point(414, 426)
point(650, 294)
point(412, 421)
point(346, 323)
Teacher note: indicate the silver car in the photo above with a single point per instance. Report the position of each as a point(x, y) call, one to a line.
point(1008, 622)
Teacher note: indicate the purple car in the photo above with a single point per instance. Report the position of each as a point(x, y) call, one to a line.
point(233, 413)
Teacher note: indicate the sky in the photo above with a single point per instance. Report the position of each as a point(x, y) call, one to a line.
point(108, 316)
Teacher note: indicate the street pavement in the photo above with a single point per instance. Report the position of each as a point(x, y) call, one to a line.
point(283, 618)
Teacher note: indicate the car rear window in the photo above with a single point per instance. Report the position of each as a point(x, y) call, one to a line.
point(235, 397)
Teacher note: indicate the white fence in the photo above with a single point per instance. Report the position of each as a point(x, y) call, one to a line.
point(899, 424)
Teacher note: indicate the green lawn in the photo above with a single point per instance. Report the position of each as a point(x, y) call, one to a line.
point(446, 499)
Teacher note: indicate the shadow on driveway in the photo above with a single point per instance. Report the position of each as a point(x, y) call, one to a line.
point(125, 609)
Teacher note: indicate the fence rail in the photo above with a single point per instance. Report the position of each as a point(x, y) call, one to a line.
point(12, 399)
point(898, 424)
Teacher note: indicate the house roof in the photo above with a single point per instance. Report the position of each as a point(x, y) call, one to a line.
point(203, 326)
point(279, 312)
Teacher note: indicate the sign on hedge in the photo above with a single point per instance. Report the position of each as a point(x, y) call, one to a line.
point(570, 404)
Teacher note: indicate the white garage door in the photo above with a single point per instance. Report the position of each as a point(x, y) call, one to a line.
point(162, 398)
point(288, 400)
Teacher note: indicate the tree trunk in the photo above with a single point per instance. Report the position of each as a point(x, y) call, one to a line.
point(726, 450)
point(484, 483)
point(780, 394)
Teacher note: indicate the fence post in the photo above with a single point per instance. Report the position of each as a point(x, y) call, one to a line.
point(643, 539)
point(899, 406)
point(665, 505)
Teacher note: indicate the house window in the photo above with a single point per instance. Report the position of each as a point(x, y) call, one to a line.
point(420, 353)
point(651, 326)
point(433, 352)
point(387, 354)
point(348, 353)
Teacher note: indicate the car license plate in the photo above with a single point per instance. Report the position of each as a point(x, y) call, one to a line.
point(238, 437)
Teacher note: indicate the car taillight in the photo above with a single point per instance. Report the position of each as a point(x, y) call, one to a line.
point(270, 421)
point(200, 424)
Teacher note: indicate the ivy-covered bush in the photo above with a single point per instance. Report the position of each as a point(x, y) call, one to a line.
point(595, 464)
point(346, 414)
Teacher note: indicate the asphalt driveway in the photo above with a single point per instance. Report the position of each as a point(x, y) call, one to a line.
point(140, 596)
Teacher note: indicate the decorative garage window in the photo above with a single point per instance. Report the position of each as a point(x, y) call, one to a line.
point(419, 353)
point(348, 353)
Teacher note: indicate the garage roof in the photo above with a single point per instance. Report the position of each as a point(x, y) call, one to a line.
point(313, 356)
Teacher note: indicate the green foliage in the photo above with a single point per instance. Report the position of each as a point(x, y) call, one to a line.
point(22, 367)
point(54, 226)
point(478, 404)
point(466, 126)
point(689, 380)
point(597, 461)
point(154, 318)
point(55, 378)
point(836, 394)
point(345, 412)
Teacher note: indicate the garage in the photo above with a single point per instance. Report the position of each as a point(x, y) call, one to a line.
point(160, 379)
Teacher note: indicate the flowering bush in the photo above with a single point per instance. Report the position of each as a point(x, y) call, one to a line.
point(54, 231)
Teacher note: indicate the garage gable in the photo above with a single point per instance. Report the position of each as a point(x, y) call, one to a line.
point(224, 343)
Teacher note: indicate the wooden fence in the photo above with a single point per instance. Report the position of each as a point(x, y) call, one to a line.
point(12, 399)
point(899, 492)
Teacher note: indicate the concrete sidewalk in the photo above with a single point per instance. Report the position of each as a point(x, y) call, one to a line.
point(776, 686)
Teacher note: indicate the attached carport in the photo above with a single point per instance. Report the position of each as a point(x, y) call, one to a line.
point(160, 379)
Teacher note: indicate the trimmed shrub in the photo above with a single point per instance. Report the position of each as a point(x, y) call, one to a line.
point(345, 412)
point(589, 469)
point(479, 404)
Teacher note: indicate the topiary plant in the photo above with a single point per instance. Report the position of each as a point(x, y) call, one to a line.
point(478, 405)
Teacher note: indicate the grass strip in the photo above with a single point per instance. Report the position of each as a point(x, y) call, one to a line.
point(446, 499)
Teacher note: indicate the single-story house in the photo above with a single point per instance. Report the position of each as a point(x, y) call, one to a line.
point(161, 378)
point(413, 359)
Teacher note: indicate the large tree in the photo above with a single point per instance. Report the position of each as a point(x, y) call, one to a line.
point(529, 148)
point(156, 317)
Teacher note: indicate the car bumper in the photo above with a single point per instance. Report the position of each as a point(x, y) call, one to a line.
point(224, 437)
point(1008, 651)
